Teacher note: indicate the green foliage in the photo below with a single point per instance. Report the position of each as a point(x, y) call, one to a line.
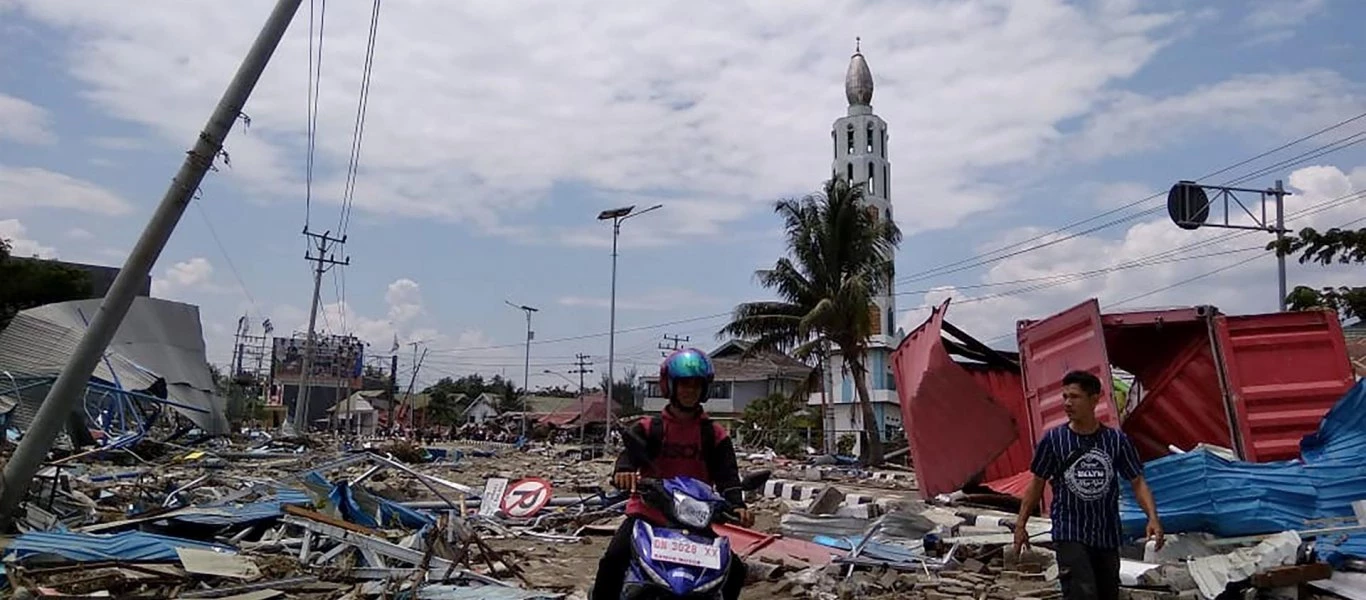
point(839, 257)
point(1334, 246)
point(450, 397)
point(25, 284)
point(624, 392)
point(780, 422)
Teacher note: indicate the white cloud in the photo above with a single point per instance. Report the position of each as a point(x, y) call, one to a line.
point(673, 299)
point(726, 102)
point(1277, 20)
point(34, 188)
point(182, 278)
point(20, 245)
point(990, 308)
point(77, 233)
point(24, 122)
point(1282, 104)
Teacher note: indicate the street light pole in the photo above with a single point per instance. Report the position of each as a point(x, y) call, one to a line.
point(526, 373)
point(616, 216)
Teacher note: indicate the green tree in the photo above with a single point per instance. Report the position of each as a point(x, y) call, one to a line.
point(624, 392)
point(840, 255)
point(778, 421)
point(27, 283)
point(1334, 246)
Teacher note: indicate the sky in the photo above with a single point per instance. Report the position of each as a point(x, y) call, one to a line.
point(495, 132)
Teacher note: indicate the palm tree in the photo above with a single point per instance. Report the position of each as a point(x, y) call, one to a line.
point(839, 258)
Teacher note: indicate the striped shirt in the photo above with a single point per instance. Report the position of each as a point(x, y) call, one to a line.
point(1086, 492)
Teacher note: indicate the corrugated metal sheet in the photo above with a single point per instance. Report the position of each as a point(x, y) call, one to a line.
point(1285, 370)
point(89, 547)
point(953, 426)
point(1007, 389)
point(1070, 340)
point(157, 338)
point(1172, 354)
point(1199, 491)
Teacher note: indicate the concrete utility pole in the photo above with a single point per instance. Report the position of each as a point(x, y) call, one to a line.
point(323, 260)
point(66, 391)
point(583, 364)
point(393, 384)
point(526, 373)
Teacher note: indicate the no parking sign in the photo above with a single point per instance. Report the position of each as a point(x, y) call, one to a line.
point(526, 497)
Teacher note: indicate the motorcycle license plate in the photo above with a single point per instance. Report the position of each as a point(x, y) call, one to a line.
point(686, 552)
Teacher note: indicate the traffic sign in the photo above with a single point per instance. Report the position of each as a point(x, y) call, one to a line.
point(526, 498)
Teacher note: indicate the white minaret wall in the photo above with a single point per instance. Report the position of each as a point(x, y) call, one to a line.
point(860, 155)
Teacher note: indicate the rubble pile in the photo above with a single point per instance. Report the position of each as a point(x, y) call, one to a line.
point(334, 517)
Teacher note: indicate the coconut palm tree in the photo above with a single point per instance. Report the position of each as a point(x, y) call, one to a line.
point(839, 258)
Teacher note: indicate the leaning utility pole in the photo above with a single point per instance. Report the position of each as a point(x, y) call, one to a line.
point(582, 362)
point(323, 260)
point(66, 391)
point(675, 343)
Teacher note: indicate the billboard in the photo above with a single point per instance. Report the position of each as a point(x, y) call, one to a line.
point(335, 358)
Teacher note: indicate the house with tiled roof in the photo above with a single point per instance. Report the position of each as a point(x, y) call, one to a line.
point(740, 380)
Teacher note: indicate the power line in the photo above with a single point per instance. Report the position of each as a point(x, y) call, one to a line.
point(673, 343)
point(226, 258)
point(315, 74)
point(1206, 273)
point(983, 258)
point(358, 129)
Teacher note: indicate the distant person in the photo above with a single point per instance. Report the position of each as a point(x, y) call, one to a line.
point(1082, 460)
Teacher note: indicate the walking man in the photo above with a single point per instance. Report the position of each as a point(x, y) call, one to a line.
point(1082, 461)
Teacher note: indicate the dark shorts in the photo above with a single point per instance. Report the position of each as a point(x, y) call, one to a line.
point(1087, 572)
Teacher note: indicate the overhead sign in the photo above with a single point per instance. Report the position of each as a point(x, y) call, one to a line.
point(493, 496)
point(526, 498)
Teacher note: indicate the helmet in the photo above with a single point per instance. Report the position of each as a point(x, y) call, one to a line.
point(687, 363)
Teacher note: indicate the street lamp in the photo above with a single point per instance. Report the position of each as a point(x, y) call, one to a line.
point(526, 372)
point(616, 216)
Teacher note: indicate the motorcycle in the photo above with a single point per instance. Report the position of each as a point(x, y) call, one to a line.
point(683, 557)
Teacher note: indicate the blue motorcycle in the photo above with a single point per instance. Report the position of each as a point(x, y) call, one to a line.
point(682, 558)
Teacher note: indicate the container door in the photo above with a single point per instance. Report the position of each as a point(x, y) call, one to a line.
point(1072, 340)
point(1285, 370)
point(953, 426)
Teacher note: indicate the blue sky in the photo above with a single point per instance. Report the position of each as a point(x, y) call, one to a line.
point(497, 131)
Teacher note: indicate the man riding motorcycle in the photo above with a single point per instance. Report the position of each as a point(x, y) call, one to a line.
point(681, 441)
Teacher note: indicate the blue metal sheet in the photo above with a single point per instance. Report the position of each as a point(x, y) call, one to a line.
point(88, 547)
point(1199, 491)
point(1336, 550)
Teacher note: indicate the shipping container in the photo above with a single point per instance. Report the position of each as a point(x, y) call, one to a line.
point(1005, 386)
point(954, 425)
point(1252, 383)
point(1072, 340)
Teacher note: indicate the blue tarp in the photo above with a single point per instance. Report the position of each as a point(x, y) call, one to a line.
point(363, 508)
point(271, 507)
point(88, 547)
point(1199, 491)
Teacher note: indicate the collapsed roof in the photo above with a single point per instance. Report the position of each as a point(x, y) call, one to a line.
point(158, 339)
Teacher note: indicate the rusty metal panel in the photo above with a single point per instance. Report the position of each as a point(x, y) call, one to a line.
point(953, 426)
point(1049, 348)
point(1007, 388)
point(1285, 371)
point(1183, 401)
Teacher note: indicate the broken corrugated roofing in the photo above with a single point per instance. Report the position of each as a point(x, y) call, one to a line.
point(158, 338)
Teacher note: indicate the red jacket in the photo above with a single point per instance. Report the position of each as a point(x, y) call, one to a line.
point(681, 454)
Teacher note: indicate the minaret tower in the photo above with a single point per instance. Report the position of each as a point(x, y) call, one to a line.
point(860, 156)
point(860, 147)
